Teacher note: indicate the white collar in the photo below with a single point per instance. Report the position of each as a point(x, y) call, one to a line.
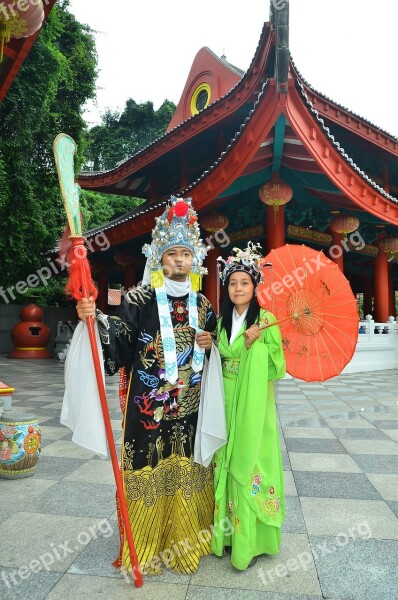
point(237, 322)
point(177, 288)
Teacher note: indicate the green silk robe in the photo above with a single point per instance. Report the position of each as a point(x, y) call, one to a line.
point(249, 486)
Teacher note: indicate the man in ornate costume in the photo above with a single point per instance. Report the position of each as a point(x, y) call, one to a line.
point(161, 334)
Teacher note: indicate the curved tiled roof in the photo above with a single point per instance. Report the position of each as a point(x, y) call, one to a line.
point(307, 84)
point(341, 150)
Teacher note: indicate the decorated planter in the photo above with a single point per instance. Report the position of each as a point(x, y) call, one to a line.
point(20, 445)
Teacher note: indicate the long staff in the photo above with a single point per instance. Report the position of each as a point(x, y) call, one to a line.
point(80, 285)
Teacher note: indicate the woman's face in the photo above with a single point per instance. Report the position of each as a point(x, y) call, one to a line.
point(240, 289)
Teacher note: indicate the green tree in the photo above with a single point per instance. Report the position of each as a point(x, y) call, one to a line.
point(98, 208)
point(121, 135)
point(46, 98)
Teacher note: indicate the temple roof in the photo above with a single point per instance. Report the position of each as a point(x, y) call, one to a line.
point(325, 149)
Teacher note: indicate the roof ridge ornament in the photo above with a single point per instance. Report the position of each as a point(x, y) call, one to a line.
point(279, 18)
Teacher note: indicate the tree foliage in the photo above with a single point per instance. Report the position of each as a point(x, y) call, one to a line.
point(46, 98)
point(98, 208)
point(121, 135)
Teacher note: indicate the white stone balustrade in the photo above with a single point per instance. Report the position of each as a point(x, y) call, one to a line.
point(377, 347)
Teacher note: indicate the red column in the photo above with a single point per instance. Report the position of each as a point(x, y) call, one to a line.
point(130, 276)
point(102, 299)
point(391, 298)
point(275, 227)
point(210, 280)
point(381, 287)
point(367, 298)
point(336, 250)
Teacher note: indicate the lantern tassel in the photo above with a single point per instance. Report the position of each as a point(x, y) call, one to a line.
point(5, 32)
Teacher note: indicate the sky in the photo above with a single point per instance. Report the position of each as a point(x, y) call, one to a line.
point(346, 49)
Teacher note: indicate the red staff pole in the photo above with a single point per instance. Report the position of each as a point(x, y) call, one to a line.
point(79, 256)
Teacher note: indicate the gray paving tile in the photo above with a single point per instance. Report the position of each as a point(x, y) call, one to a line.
point(53, 422)
point(68, 449)
point(288, 421)
point(314, 445)
point(349, 423)
point(34, 585)
point(52, 467)
point(13, 493)
point(294, 521)
point(379, 447)
point(54, 539)
point(202, 593)
point(384, 424)
point(335, 516)
point(287, 409)
point(394, 506)
point(335, 463)
point(376, 464)
point(335, 485)
point(96, 559)
point(290, 486)
point(339, 414)
point(345, 433)
point(218, 573)
point(391, 433)
point(83, 587)
point(387, 485)
point(93, 471)
point(286, 461)
point(79, 499)
point(358, 570)
point(308, 432)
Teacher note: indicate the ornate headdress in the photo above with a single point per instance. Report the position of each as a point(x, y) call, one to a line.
point(177, 226)
point(249, 260)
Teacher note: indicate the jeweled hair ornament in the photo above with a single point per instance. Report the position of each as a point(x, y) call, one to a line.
point(249, 260)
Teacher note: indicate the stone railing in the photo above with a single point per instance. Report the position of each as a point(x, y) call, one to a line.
point(377, 347)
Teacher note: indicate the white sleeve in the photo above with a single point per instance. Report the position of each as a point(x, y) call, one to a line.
point(211, 431)
point(81, 407)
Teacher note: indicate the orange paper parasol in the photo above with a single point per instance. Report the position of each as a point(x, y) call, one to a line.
point(315, 309)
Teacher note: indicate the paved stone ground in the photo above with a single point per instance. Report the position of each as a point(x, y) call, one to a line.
point(340, 538)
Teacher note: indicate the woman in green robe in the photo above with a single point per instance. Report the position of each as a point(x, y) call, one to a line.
point(249, 486)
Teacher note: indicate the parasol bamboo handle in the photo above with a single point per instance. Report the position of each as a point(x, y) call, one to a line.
point(265, 326)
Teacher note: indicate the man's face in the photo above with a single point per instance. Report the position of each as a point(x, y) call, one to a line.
point(177, 263)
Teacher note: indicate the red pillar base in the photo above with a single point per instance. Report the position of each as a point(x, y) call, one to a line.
point(381, 287)
point(30, 353)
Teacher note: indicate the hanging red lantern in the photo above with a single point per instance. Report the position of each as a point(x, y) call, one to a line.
point(344, 224)
point(214, 221)
point(389, 245)
point(275, 193)
point(20, 20)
